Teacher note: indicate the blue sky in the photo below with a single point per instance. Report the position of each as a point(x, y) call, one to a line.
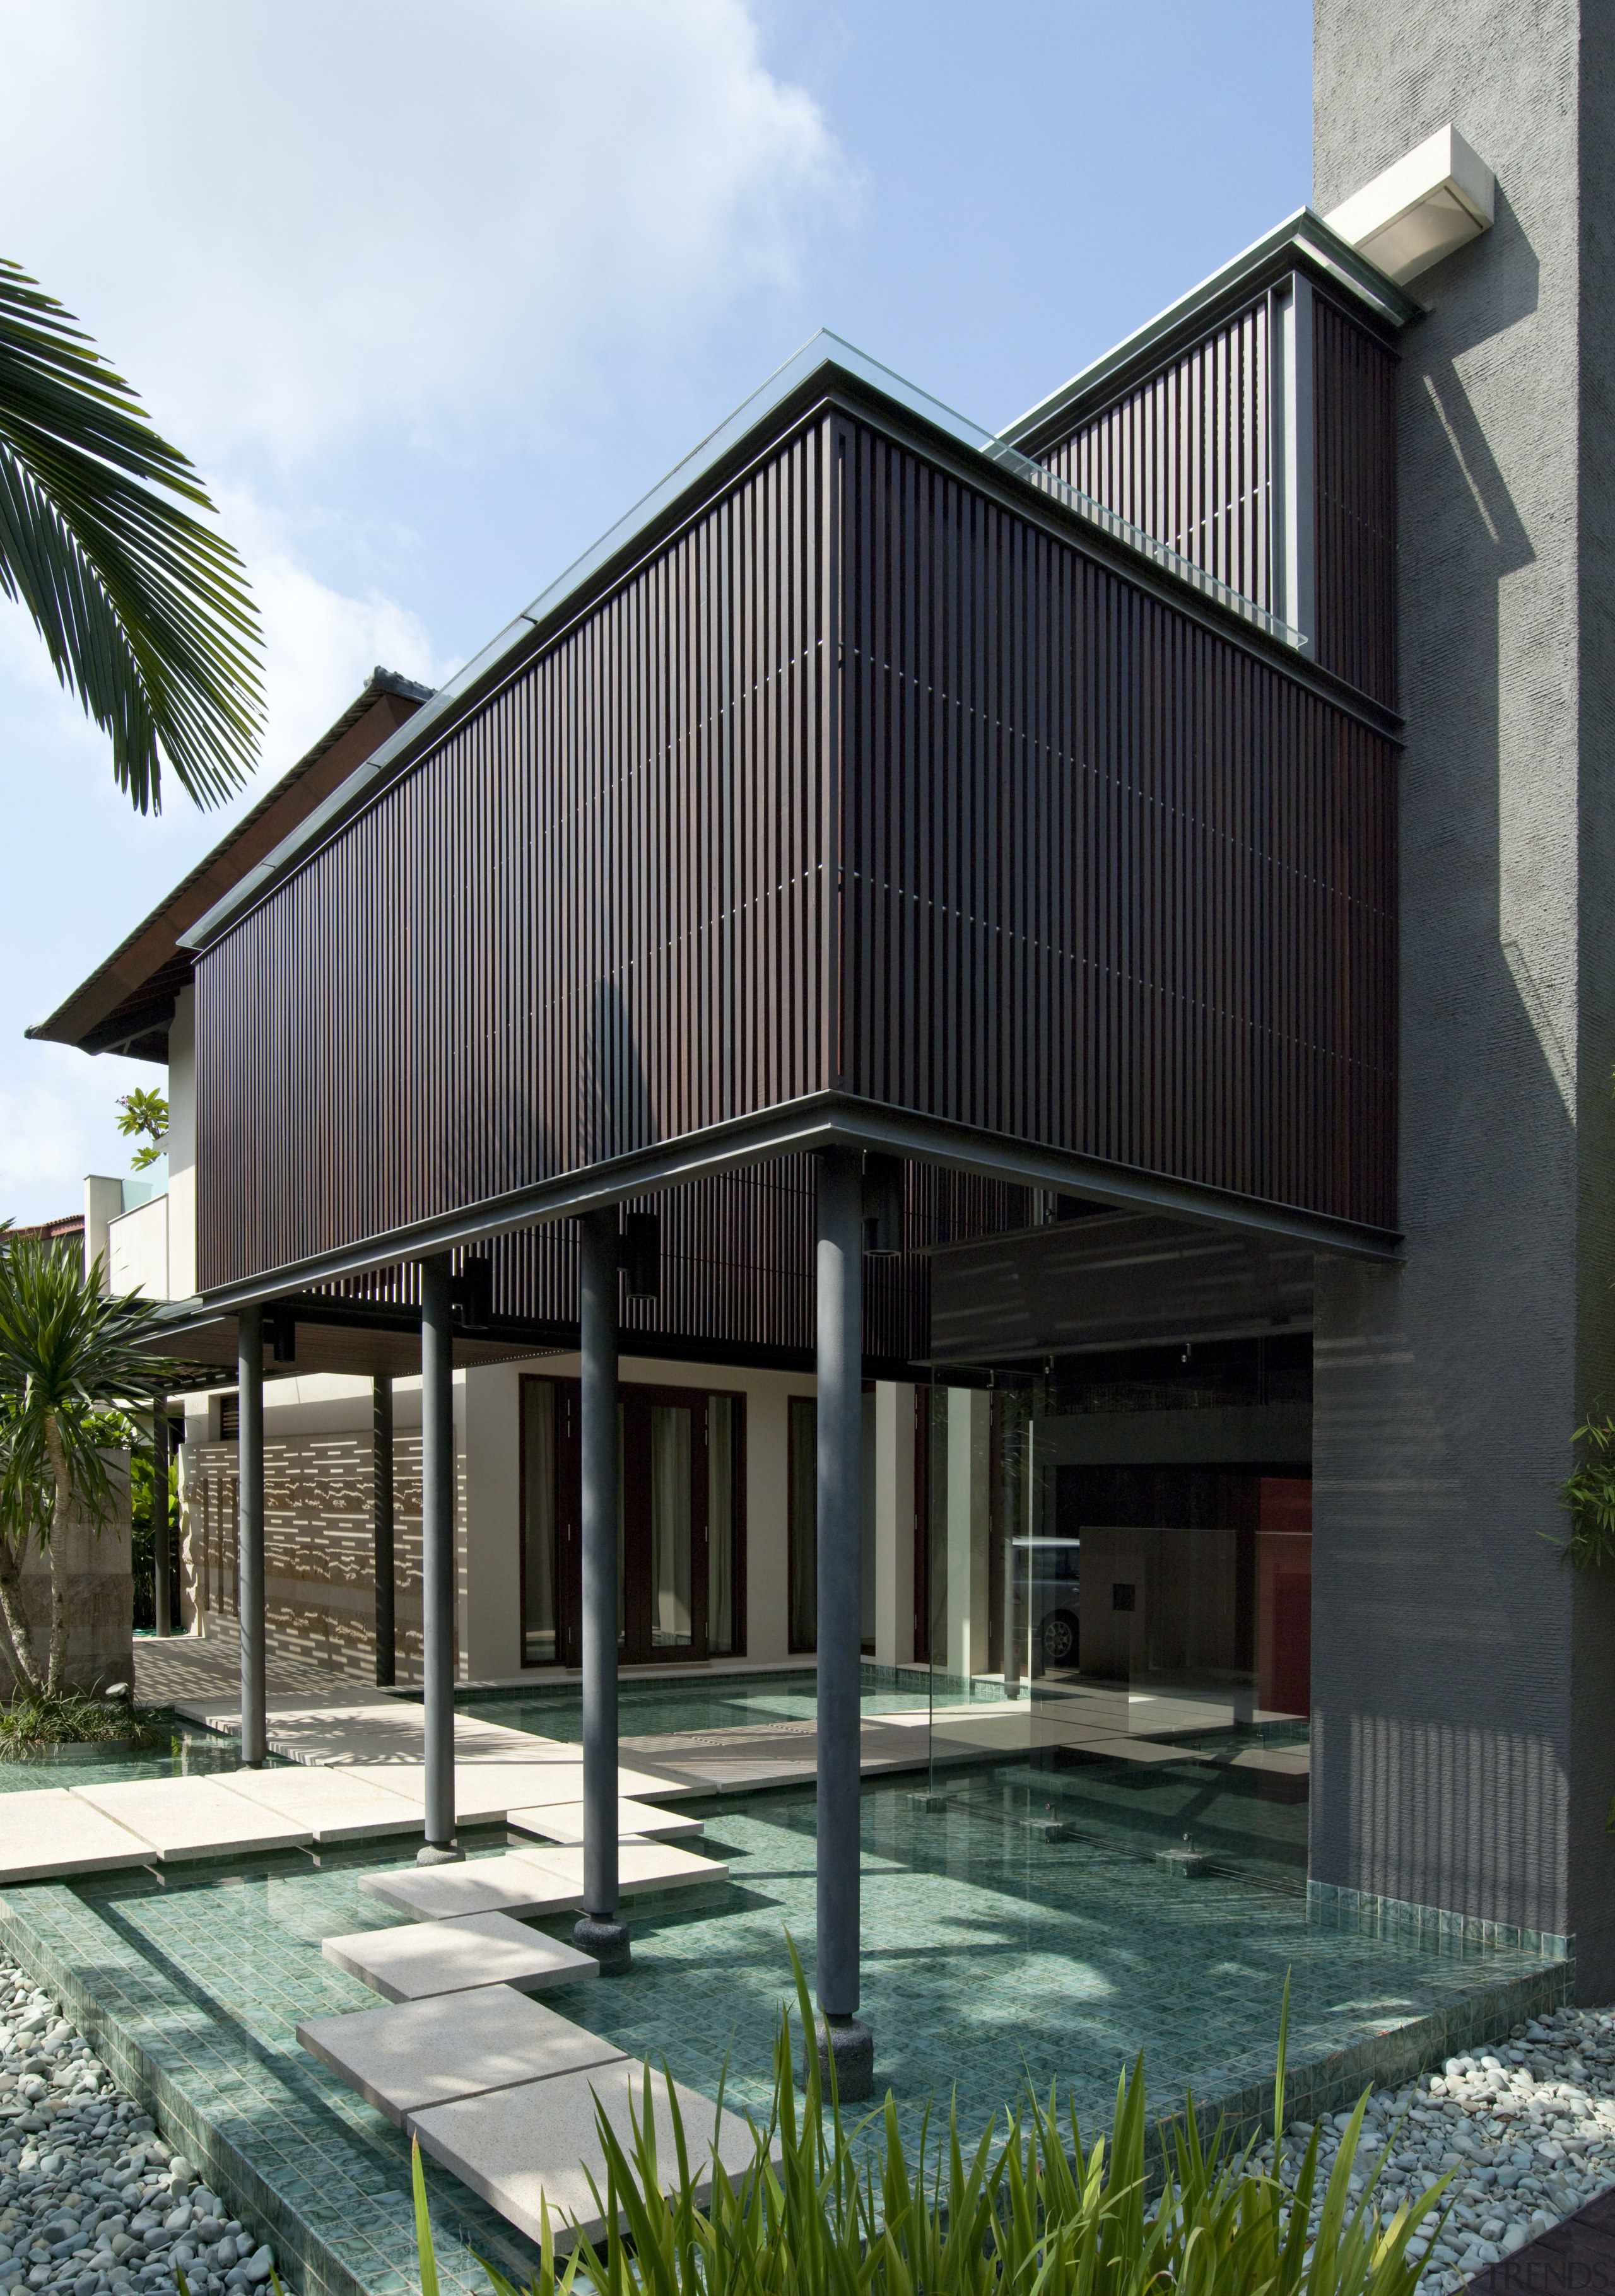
point(432, 292)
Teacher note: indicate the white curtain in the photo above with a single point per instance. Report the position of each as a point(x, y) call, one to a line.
point(670, 1525)
point(720, 1526)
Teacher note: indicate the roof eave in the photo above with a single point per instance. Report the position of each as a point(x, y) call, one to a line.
point(1304, 235)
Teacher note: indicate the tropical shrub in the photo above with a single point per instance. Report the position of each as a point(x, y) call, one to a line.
point(823, 2210)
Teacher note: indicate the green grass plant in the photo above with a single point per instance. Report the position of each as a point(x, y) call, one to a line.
point(823, 2210)
point(31, 1725)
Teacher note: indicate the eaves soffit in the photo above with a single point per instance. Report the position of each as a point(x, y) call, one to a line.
point(1302, 240)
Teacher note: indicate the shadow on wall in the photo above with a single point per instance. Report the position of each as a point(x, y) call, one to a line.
point(1458, 1670)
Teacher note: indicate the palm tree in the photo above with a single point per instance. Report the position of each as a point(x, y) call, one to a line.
point(69, 1355)
point(145, 611)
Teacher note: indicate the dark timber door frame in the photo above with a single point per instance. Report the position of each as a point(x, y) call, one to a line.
point(640, 1402)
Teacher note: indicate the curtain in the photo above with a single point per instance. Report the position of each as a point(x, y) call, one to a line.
point(539, 1520)
point(720, 1526)
point(804, 1524)
point(670, 1525)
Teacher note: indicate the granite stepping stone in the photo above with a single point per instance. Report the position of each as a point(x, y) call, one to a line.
point(334, 1805)
point(510, 1884)
point(455, 1956)
point(49, 1831)
point(635, 1820)
point(641, 1865)
point(522, 2148)
point(451, 2045)
point(191, 1817)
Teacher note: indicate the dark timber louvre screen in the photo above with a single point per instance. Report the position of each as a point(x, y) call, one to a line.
point(1186, 455)
point(1110, 881)
point(868, 778)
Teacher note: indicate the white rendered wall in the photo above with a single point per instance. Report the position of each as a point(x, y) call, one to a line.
point(487, 1425)
point(968, 1467)
point(182, 1148)
point(894, 1477)
point(137, 1250)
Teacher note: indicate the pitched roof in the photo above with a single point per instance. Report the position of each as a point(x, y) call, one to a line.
point(128, 1002)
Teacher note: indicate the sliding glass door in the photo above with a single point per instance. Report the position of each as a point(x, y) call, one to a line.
point(680, 1523)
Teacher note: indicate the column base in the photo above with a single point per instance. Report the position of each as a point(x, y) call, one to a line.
point(606, 1940)
point(852, 2045)
point(434, 1854)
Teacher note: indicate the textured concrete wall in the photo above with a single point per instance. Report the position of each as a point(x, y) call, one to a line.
point(1464, 1747)
point(95, 1569)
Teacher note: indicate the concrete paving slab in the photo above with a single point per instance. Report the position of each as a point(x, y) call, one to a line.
point(535, 2146)
point(484, 1885)
point(192, 1818)
point(641, 1865)
point(485, 1792)
point(51, 1832)
point(334, 1805)
point(639, 1820)
point(416, 2053)
point(458, 1957)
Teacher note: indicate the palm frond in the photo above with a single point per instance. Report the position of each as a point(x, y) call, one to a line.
point(145, 611)
point(68, 1352)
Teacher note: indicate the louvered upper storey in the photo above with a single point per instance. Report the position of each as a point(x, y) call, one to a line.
point(1253, 431)
point(866, 779)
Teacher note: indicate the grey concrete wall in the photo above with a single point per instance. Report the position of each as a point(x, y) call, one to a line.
point(1464, 1687)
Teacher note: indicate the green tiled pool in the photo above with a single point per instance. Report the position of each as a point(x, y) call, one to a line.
point(187, 1751)
point(707, 1701)
point(991, 1955)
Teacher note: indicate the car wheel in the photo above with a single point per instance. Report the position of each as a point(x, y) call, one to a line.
point(1060, 1639)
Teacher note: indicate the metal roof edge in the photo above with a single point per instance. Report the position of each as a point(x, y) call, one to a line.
point(1306, 230)
point(824, 353)
point(381, 683)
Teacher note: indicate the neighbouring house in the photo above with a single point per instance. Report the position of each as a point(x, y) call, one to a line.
point(987, 1049)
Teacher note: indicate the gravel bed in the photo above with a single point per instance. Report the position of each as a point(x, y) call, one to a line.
point(91, 2198)
point(1526, 2126)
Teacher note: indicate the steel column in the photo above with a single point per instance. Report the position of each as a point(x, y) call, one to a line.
point(162, 1591)
point(249, 1473)
point(381, 1470)
point(840, 1501)
point(600, 1931)
point(438, 1556)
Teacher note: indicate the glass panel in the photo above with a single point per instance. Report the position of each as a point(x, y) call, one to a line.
point(866, 1610)
point(1117, 1565)
point(538, 1521)
point(622, 1529)
point(670, 1436)
point(720, 1526)
point(804, 1524)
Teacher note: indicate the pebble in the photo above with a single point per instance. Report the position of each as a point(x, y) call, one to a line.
point(91, 2201)
point(1527, 2126)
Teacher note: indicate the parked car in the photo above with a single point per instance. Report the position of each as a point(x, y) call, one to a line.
point(1047, 1570)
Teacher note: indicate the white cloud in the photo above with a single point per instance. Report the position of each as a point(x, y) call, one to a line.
point(290, 222)
point(60, 1123)
point(320, 646)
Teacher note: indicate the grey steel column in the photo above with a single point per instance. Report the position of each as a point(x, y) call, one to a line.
point(438, 1558)
point(162, 1592)
point(249, 1593)
point(381, 1428)
point(600, 1931)
point(840, 1501)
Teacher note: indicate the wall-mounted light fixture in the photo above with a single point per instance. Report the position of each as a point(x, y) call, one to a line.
point(1434, 202)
